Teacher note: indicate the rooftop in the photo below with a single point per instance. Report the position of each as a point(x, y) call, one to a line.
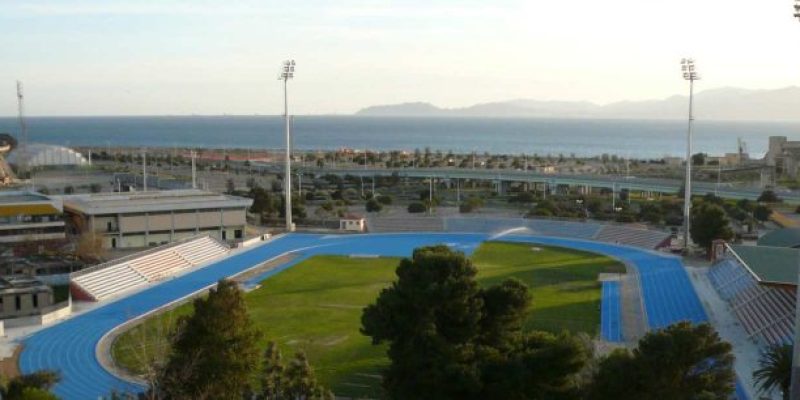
point(787, 237)
point(18, 284)
point(164, 200)
point(16, 197)
point(27, 203)
point(770, 265)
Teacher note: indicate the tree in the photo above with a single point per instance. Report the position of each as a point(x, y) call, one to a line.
point(429, 316)
point(69, 189)
point(768, 196)
point(213, 350)
point(451, 339)
point(699, 159)
point(709, 222)
point(762, 212)
point(651, 213)
point(262, 201)
point(90, 247)
point(95, 188)
point(473, 203)
point(300, 382)
point(34, 386)
point(775, 370)
point(295, 381)
point(272, 373)
point(385, 199)
point(417, 208)
point(682, 361)
point(373, 205)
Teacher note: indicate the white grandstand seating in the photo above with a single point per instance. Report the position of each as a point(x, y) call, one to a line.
point(579, 230)
point(409, 224)
point(160, 265)
point(109, 281)
point(621, 234)
point(766, 312)
point(152, 266)
point(645, 238)
point(202, 250)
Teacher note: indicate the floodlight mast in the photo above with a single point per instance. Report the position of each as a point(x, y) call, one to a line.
point(794, 389)
point(689, 74)
point(287, 72)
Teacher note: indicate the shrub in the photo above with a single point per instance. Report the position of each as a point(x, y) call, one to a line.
point(768, 196)
point(417, 208)
point(373, 206)
point(384, 199)
point(762, 213)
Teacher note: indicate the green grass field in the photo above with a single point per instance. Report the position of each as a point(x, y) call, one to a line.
point(316, 306)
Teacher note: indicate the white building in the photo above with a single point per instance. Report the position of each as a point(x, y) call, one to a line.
point(47, 155)
point(143, 219)
point(352, 222)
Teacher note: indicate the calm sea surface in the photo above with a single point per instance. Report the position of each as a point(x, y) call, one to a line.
point(628, 138)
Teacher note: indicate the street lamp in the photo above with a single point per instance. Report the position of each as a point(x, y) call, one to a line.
point(689, 74)
point(287, 72)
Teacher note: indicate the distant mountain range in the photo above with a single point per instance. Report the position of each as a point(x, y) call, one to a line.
point(713, 104)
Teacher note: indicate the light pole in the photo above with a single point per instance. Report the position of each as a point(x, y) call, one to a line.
point(794, 390)
point(689, 74)
point(287, 72)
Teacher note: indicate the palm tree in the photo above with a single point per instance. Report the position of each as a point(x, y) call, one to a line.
point(776, 369)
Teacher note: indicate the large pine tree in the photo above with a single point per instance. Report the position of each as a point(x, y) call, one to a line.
point(451, 339)
point(214, 350)
point(682, 361)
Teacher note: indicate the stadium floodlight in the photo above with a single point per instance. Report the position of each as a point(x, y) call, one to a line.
point(794, 390)
point(287, 72)
point(689, 74)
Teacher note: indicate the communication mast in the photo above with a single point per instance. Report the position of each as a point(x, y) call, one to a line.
point(23, 131)
point(743, 155)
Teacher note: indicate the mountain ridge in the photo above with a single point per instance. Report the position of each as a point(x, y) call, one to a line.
point(725, 103)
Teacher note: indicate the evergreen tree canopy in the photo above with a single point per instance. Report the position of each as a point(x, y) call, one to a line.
point(709, 222)
point(214, 350)
point(451, 339)
point(682, 361)
point(295, 381)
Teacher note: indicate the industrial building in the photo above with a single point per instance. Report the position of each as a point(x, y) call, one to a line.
point(23, 296)
point(143, 219)
point(29, 216)
point(784, 155)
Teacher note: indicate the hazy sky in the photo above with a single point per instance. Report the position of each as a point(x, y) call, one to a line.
point(213, 57)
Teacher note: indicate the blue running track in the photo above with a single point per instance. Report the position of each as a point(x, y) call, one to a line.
point(70, 346)
point(611, 312)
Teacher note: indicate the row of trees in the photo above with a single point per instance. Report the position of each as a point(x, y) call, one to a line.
point(449, 338)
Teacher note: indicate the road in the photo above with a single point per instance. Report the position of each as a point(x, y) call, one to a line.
point(664, 186)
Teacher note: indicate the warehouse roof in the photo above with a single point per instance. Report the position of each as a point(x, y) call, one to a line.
point(770, 265)
point(787, 237)
point(152, 201)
